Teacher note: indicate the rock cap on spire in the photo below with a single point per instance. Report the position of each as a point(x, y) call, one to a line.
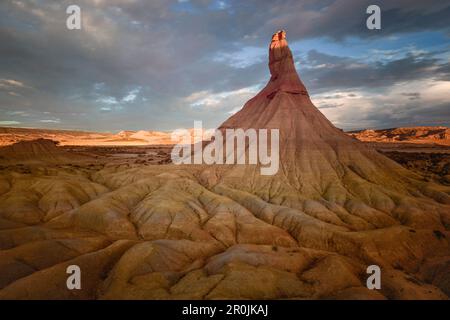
point(284, 76)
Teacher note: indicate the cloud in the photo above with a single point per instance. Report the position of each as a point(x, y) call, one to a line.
point(324, 72)
point(131, 95)
point(50, 121)
point(8, 122)
point(390, 108)
point(10, 83)
point(341, 19)
point(209, 99)
point(412, 95)
point(243, 57)
point(107, 100)
point(134, 62)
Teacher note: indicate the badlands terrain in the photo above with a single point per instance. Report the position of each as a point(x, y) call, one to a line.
point(415, 135)
point(140, 227)
point(66, 137)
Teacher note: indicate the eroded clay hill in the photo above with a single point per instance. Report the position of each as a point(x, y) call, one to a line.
point(212, 232)
point(38, 150)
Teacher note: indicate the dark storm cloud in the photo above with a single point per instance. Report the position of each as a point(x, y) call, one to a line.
point(324, 72)
point(134, 62)
point(342, 18)
point(412, 95)
point(404, 115)
point(330, 105)
point(439, 113)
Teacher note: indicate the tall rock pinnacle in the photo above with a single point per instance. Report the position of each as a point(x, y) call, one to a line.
point(284, 77)
point(317, 160)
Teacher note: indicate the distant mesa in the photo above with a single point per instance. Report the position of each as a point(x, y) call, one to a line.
point(425, 135)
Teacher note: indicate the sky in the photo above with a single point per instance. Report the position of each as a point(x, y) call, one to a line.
point(163, 64)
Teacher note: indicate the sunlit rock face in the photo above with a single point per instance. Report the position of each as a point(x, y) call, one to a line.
point(284, 77)
point(144, 231)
